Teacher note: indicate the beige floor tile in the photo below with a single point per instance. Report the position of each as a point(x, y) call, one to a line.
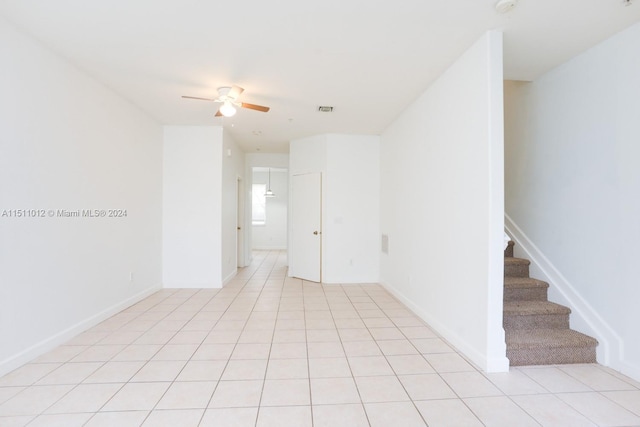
point(213, 352)
point(448, 362)
point(33, 400)
point(361, 348)
point(322, 335)
point(99, 353)
point(386, 334)
point(324, 323)
point(348, 415)
point(237, 394)
point(155, 336)
point(59, 420)
point(369, 366)
point(137, 352)
point(515, 383)
point(289, 336)
point(85, 398)
point(230, 417)
point(499, 411)
point(331, 367)
point(555, 380)
point(222, 337)
point(245, 370)
point(324, 349)
point(61, 354)
point(174, 418)
point(431, 345)
point(137, 396)
point(409, 364)
point(250, 351)
point(159, 370)
point(393, 414)
point(599, 409)
point(7, 393)
point(596, 378)
point(120, 419)
point(281, 369)
point(176, 352)
point(396, 347)
point(28, 374)
point(446, 413)
point(121, 337)
point(298, 416)
point(333, 391)
point(70, 373)
point(350, 323)
point(19, 421)
point(188, 337)
point(202, 370)
point(187, 395)
point(285, 392)
point(413, 332)
point(252, 336)
point(470, 384)
point(629, 400)
point(550, 411)
point(378, 322)
point(381, 389)
point(348, 335)
point(115, 372)
point(288, 350)
point(426, 387)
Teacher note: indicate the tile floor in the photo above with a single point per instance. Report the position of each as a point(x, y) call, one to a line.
point(268, 350)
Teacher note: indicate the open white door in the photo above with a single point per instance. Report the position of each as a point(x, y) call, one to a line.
point(306, 227)
point(240, 225)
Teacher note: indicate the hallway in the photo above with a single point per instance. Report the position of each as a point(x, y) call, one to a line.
point(268, 350)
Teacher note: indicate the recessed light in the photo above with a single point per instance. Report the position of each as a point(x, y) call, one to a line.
point(504, 6)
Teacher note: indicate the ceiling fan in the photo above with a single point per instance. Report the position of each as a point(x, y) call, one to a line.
point(228, 97)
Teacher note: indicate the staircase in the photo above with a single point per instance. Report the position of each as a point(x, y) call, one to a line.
point(537, 331)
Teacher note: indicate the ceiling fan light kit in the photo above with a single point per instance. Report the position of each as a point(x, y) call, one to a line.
point(227, 109)
point(228, 97)
point(504, 6)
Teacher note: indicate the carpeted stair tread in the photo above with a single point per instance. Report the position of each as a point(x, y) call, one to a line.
point(524, 282)
point(531, 308)
point(547, 338)
point(516, 261)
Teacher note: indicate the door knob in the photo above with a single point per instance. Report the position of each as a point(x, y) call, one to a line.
point(315, 232)
point(239, 228)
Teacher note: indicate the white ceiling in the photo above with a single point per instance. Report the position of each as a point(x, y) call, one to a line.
point(368, 58)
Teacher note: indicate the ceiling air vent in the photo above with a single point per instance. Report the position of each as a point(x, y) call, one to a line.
point(325, 109)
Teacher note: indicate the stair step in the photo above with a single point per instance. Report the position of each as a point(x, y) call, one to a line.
point(535, 314)
point(524, 289)
point(516, 267)
point(549, 346)
point(508, 252)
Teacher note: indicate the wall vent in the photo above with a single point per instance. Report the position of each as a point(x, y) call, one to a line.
point(325, 109)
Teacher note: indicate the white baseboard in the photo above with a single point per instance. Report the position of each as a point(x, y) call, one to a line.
point(230, 277)
point(584, 318)
point(471, 353)
point(191, 285)
point(38, 349)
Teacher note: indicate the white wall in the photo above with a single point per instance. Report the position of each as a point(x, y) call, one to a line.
point(441, 204)
point(273, 234)
point(573, 186)
point(69, 143)
point(349, 165)
point(351, 226)
point(192, 206)
point(232, 170)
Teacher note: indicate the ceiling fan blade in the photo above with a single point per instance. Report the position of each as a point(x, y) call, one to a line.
point(195, 97)
point(235, 92)
point(254, 107)
point(218, 113)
